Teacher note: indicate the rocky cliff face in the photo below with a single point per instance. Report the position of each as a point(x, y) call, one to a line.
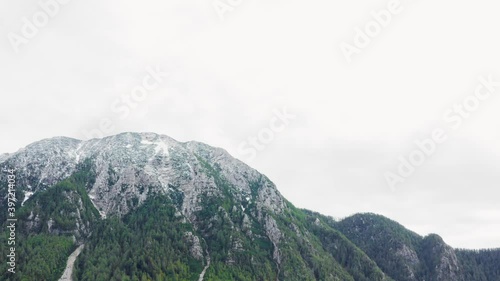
point(130, 166)
point(441, 259)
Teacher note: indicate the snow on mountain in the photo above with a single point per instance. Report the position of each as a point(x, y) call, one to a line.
point(130, 166)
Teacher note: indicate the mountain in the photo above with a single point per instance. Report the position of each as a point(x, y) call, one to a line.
point(147, 207)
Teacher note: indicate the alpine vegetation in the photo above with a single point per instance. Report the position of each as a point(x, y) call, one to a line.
point(142, 206)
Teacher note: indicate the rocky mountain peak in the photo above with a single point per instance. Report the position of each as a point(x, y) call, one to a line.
point(130, 166)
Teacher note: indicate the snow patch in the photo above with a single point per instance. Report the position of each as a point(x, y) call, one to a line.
point(161, 146)
point(102, 213)
point(77, 153)
point(27, 195)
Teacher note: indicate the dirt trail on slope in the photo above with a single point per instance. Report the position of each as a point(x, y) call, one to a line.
point(69, 265)
point(202, 274)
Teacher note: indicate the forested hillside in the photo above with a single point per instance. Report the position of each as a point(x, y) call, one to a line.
point(147, 207)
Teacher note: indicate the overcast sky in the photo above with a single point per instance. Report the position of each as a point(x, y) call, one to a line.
point(296, 88)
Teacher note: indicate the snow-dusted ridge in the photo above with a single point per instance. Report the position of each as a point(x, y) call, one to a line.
point(130, 166)
point(3, 157)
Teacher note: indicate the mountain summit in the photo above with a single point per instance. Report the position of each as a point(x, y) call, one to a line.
point(130, 166)
point(147, 207)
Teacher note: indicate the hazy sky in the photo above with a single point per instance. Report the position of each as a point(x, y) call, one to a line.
point(322, 97)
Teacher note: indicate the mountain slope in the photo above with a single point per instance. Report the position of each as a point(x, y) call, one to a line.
point(150, 208)
point(405, 255)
